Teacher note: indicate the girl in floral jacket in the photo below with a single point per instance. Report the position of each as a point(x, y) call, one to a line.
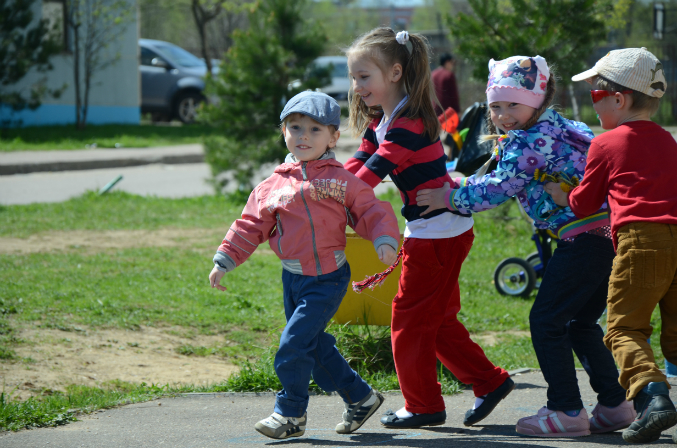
point(538, 145)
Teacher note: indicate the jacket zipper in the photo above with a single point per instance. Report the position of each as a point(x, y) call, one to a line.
point(312, 228)
point(279, 229)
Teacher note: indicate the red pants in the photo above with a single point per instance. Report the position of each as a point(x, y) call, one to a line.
point(424, 325)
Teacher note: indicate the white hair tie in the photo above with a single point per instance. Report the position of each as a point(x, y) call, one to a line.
point(402, 37)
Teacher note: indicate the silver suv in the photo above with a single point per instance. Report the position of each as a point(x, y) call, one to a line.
point(340, 83)
point(172, 81)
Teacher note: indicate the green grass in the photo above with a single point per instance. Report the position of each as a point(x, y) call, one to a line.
point(43, 138)
point(135, 287)
point(60, 408)
point(513, 353)
point(118, 211)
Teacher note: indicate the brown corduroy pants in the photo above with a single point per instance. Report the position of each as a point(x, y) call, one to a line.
point(644, 275)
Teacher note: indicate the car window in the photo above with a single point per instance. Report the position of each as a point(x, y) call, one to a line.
point(180, 56)
point(147, 56)
point(339, 70)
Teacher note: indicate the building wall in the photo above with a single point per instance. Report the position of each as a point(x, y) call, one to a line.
point(114, 95)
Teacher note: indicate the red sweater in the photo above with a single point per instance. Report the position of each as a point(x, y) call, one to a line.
point(636, 166)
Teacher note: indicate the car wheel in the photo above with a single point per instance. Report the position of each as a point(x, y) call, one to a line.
point(186, 106)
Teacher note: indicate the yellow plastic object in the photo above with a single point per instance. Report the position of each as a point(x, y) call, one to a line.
point(369, 307)
point(458, 139)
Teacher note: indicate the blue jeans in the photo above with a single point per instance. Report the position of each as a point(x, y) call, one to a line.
point(571, 299)
point(305, 348)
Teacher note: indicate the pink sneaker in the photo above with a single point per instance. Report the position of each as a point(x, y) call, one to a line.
point(610, 419)
point(549, 423)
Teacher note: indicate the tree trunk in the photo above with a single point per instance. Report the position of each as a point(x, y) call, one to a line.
point(201, 22)
point(202, 17)
point(574, 103)
point(88, 82)
point(76, 74)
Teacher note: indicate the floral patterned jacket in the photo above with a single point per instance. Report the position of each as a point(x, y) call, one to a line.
point(555, 146)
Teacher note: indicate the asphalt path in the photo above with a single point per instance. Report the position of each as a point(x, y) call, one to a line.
point(162, 180)
point(227, 420)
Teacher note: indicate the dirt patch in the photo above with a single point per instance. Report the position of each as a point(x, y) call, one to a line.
point(98, 240)
point(60, 358)
point(92, 241)
point(489, 338)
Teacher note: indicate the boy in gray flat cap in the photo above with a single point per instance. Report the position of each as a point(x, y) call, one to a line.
point(303, 210)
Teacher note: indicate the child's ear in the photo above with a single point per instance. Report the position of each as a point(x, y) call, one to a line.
point(334, 139)
point(622, 101)
point(396, 72)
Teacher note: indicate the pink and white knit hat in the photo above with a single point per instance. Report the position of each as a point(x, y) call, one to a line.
point(518, 79)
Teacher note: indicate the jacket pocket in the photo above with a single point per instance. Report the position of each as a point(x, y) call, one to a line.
point(279, 230)
point(648, 267)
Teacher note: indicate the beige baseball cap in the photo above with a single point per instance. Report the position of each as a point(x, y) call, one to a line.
point(635, 68)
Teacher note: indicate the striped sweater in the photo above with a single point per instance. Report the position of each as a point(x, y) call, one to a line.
point(412, 160)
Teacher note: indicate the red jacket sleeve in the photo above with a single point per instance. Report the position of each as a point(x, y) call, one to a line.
point(248, 232)
point(592, 192)
point(373, 219)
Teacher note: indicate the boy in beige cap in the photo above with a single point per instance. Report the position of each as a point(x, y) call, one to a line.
point(633, 165)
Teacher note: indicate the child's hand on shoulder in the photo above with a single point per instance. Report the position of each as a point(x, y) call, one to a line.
point(386, 254)
point(433, 198)
point(558, 195)
point(215, 279)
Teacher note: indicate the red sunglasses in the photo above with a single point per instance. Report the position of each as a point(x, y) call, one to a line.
point(597, 95)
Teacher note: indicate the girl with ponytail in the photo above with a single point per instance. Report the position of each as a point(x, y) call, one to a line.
point(391, 105)
point(535, 145)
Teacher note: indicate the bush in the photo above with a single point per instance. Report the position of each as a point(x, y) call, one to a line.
point(253, 85)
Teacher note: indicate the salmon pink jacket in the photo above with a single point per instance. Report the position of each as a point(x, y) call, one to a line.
point(303, 210)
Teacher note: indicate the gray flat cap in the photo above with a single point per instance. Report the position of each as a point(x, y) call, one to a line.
point(317, 105)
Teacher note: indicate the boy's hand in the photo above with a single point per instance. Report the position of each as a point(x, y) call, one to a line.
point(386, 254)
point(433, 198)
point(558, 196)
point(215, 279)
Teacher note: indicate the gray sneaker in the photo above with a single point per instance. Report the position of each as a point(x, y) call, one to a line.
point(356, 414)
point(279, 427)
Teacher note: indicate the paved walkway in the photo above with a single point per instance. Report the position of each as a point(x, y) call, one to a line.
point(164, 172)
point(23, 162)
point(227, 420)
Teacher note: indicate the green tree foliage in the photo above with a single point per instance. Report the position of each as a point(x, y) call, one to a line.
point(631, 23)
point(348, 21)
point(24, 44)
point(564, 32)
point(254, 83)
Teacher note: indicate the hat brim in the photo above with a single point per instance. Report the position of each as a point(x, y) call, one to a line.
point(585, 75)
